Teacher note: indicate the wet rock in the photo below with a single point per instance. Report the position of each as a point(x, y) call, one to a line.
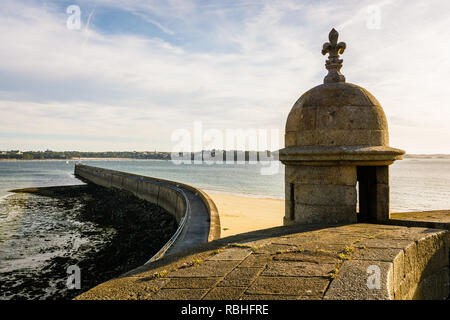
point(115, 233)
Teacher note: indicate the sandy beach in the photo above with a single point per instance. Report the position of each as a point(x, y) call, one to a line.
point(239, 214)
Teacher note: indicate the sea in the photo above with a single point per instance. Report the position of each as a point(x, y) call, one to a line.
point(416, 184)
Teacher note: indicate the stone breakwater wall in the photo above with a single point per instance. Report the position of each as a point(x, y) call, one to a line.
point(350, 262)
point(176, 198)
point(413, 263)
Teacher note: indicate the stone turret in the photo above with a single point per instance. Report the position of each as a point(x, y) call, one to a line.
point(337, 139)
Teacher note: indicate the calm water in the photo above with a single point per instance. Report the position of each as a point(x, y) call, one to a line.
point(29, 237)
point(416, 184)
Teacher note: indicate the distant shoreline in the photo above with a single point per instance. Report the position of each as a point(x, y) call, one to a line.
point(84, 159)
point(426, 156)
point(407, 156)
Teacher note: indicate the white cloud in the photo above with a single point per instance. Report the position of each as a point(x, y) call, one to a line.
point(254, 61)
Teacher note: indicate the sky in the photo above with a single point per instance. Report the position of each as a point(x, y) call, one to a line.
point(135, 72)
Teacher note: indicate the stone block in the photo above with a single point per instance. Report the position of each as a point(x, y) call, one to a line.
point(322, 195)
point(386, 243)
point(298, 269)
point(255, 260)
point(382, 209)
point(306, 138)
point(318, 258)
point(298, 286)
point(225, 293)
point(232, 254)
point(341, 138)
point(322, 175)
point(410, 253)
point(240, 277)
point(333, 214)
point(396, 256)
point(290, 139)
point(191, 283)
point(207, 269)
point(382, 175)
point(434, 287)
point(354, 281)
point(272, 297)
point(407, 287)
point(432, 255)
point(179, 294)
point(382, 190)
point(288, 210)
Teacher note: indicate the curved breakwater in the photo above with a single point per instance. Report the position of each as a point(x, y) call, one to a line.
point(195, 212)
point(104, 231)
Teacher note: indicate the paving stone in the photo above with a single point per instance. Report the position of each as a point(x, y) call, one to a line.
point(240, 277)
point(301, 239)
point(352, 281)
point(299, 286)
point(385, 243)
point(295, 241)
point(179, 294)
point(191, 283)
point(206, 269)
point(151, 285)
point(271, 297)
point(225, 293)
point(272, 248)
point(376, 254)
point(306, 256)
point(232, 254)
point(396, 256)
point(256, 260)
point(258, 243)
point(325, 247)
point(407, 234)
point(298, 269)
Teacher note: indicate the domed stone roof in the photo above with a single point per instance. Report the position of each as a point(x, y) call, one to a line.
point(337, 121)
point(336, 114)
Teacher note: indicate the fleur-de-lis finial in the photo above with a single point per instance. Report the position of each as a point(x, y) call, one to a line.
point(333, 63)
